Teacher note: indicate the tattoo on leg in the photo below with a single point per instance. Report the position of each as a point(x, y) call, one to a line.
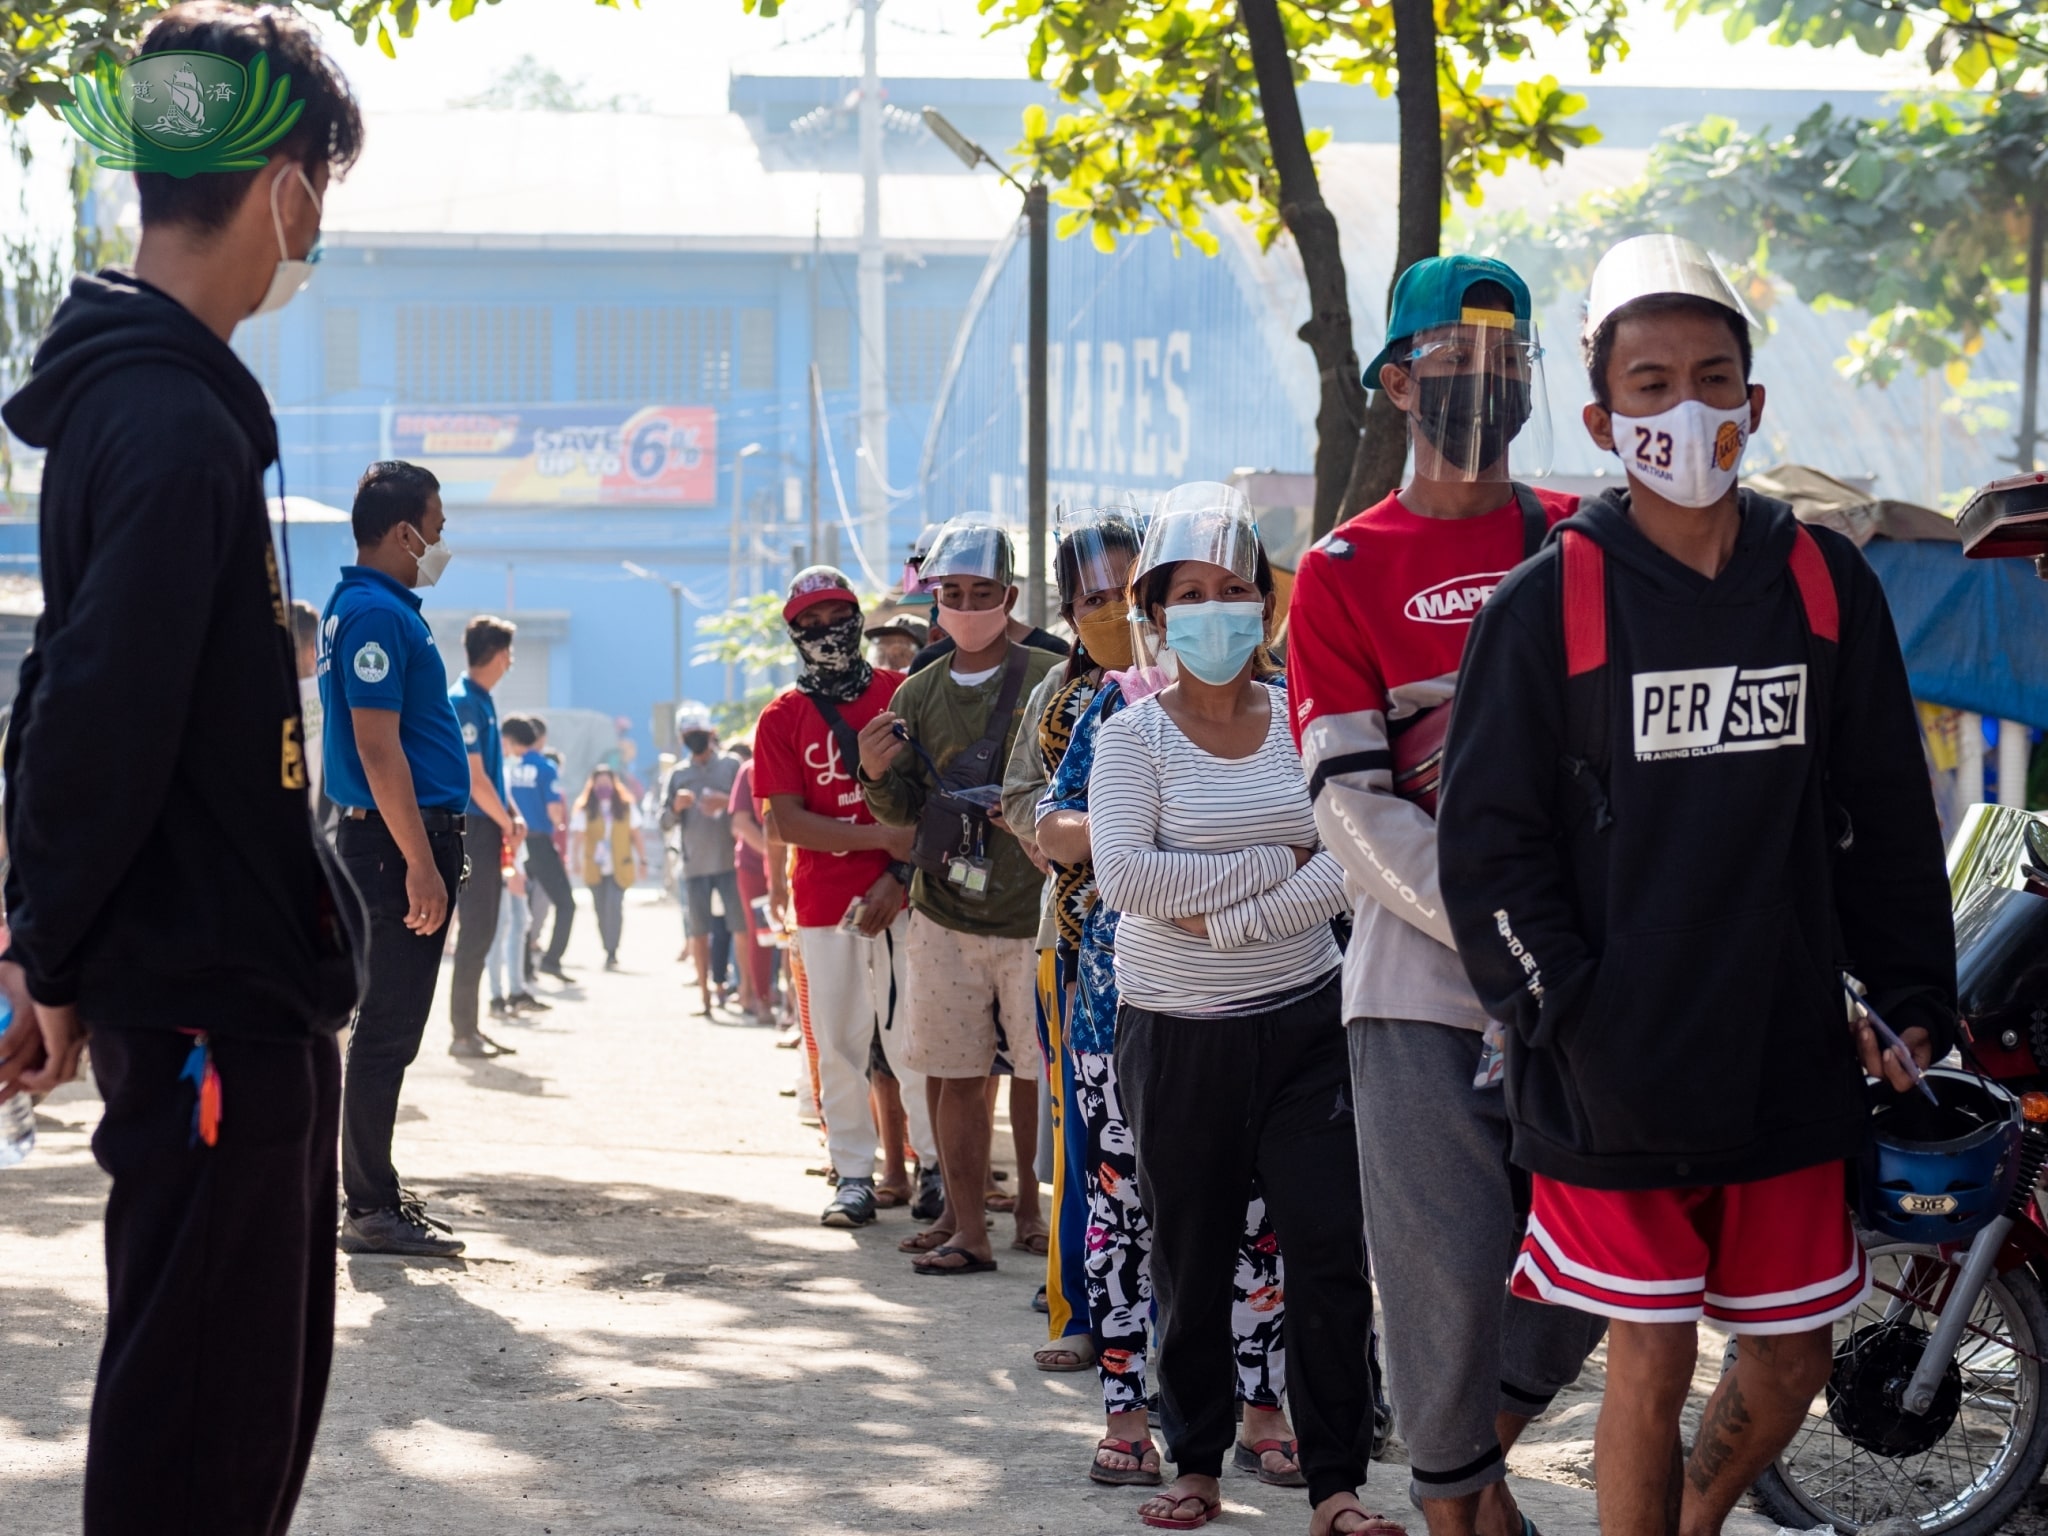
point(1727, 1420)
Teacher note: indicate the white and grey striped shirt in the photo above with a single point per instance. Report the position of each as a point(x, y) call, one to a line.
point(1177, 832)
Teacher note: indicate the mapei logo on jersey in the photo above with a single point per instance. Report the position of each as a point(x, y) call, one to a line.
point(1707, 710)
point(1453, 601)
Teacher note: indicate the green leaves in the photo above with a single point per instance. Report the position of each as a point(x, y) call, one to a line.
point(1166, 120)
point(1918, 219)
point(43, 43)
point(1988, 44)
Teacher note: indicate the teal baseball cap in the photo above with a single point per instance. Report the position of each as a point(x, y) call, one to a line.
point(1432, 293)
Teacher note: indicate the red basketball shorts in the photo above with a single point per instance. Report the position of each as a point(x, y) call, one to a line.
point(1775, 1256)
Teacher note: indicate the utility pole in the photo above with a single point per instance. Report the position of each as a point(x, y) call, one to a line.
point(733, 593)
point(813, 552)
point(1035, 214)
point(874, 317)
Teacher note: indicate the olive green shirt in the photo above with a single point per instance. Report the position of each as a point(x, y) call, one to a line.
point(946, 719)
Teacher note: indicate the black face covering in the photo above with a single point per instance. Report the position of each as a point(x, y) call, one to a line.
point(834, 667)
point(696, 741)
point(1470, 418)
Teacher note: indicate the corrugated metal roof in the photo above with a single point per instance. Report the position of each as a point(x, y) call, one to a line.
point(623, 181)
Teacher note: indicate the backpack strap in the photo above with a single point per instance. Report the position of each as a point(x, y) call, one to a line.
point(1816, 584)
point(1535, 520)
point(842, 733)
point(1588, 688)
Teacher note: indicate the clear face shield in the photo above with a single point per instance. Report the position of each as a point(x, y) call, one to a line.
point(968, 547)
point(1097, 546)
point(1477, 388)
point(1204, 521)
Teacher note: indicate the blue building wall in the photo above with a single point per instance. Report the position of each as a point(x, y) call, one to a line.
point(347, 366)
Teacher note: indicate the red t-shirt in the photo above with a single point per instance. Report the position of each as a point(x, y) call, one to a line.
point(795, 754)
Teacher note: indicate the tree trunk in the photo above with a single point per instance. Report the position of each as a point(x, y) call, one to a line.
point(1314, 228)
point(1383, 439)
point(2030, 388)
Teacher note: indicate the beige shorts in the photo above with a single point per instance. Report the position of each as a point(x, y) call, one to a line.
point(972, 998)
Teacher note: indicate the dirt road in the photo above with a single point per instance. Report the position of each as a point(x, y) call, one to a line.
point(650, 1331)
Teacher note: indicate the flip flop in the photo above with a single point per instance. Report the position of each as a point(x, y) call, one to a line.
point(1039, 1243)
point(1211, 1508)
point(1252, 1458)
point(887, 1198)
point(973, 1266)
point(1126, 1477)
point(925, 1241)
point(1002, 1202)
point(1380, 1525)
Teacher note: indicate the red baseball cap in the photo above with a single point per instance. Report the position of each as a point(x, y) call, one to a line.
point(816, 584)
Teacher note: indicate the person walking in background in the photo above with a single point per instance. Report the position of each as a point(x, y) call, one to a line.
point(306, 643)
point(695, 803)
point(1374, 673)
point(487, 643)
point(750, 873)
point(504, 965)
point(397, 770)
point(605, 829)
point(1228, 1049)
point(173, 898)
point(970, 962)
point(537, 798)
point(848, 883)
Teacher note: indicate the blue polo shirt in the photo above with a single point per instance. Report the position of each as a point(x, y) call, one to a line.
point(478, 717)
point(536, 783)
point(376, 652)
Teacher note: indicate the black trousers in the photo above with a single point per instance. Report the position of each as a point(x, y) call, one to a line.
point(404, 966)
point(220, 1285)
point(479, 909)
point(1215, 1104)
point(545, 869)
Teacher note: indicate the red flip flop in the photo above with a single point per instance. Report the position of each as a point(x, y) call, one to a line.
point(1211, 1508)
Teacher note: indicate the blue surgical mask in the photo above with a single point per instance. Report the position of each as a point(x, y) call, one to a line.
point(1215, 640)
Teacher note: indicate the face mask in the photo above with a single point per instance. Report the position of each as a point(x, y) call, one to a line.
point(1689, 455)
point(830, 648)
point(1470, 418)
point(291, 274)
point(1106, 636)
point(696, 741)
point(432, 559)
point(974, 629)
point(1215, 640)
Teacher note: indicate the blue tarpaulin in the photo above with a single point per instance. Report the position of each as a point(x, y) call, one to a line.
point(1975, 632)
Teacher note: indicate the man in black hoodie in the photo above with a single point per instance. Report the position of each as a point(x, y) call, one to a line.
point(1683, 792)
point(177, 903)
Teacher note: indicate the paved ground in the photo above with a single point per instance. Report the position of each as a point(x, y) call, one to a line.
point(650, 1332)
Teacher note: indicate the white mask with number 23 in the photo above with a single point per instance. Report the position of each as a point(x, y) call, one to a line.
point(1689, 454)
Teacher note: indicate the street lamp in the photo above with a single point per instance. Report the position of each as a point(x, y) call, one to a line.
point(972, 155)
point(675, 593)
point(732, 558)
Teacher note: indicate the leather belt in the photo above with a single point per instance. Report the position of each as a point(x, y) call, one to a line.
point(434, 821)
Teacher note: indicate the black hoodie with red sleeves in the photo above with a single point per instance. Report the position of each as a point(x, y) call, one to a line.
point(165, 870)
point(1664, 934)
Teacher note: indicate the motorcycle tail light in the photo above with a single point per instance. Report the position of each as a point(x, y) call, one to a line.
point(2034, 1106)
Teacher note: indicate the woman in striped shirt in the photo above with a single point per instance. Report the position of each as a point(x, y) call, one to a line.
point(1229, 1044)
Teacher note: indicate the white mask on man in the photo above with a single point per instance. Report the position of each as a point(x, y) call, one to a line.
point(1689, 455)
point(292, 274)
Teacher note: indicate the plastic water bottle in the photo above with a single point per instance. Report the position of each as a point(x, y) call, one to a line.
point(17, 1115)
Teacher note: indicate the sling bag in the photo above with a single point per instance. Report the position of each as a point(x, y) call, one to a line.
point(951, 825)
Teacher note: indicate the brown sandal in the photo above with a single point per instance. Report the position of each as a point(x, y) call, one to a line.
point(1037, 1241)
point(889, 1196)
point(1076, 1352)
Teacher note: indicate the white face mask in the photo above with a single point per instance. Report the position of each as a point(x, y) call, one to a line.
point(291, 274)
point(1689, 455)
point(432, 559)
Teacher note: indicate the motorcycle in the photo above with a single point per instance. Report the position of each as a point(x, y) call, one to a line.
point(1934, 1411)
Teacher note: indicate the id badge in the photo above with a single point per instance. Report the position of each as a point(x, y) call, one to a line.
point(971, 874)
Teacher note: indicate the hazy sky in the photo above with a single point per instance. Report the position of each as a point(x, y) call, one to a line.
point(677, 56)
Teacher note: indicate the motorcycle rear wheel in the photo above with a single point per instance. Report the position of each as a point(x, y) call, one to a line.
point(1981, 1448)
